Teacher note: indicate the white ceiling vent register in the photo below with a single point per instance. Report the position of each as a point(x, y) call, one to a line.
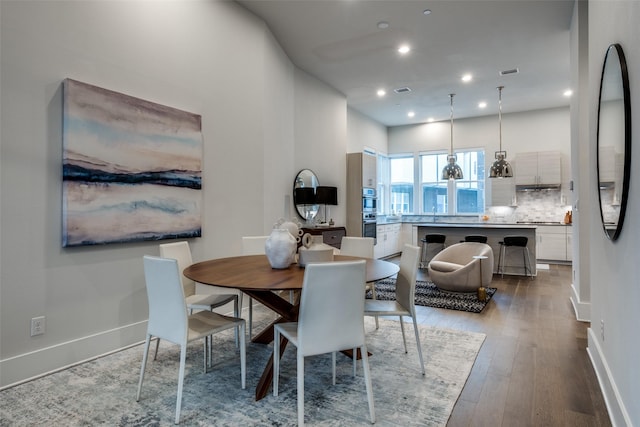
point(402, 90)
point(507, 72)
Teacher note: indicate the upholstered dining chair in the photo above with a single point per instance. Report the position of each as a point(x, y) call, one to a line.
point(181, 252)
point(169, 320)
point(330, 319)
point(404, 305)
point(361, 247)
point(253, 245)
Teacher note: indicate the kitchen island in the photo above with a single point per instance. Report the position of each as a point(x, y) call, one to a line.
point(495, 233)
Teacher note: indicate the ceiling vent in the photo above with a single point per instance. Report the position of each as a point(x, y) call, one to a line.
point(507, 72)
point(402, 90)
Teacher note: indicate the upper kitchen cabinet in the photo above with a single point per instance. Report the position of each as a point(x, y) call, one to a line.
point(538, 170)
point(369, 172)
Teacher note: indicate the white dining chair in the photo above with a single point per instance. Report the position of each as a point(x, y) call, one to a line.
point(253, 245)
point(361, 247)
point(168, 320)
point(404, 305)
point(330, 319)
point(181, 252)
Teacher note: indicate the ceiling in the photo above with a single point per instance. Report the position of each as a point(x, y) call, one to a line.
point(339, 42)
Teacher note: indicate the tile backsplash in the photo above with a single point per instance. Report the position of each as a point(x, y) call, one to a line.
point(533, 206)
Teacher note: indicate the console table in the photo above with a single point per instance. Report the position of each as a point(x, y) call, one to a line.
point(330, 235)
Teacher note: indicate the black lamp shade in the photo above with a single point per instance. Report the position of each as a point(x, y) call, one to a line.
point(326, 195)
point(305, 196)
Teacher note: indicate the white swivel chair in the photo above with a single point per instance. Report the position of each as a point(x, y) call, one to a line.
point(253, 245)
point(404, 305)
point(361, 247)
point(181, 252)
point(331, 318)
point(168, 320)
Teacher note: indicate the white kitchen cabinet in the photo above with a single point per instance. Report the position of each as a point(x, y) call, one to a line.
point(553, 243)
point(387, 240)
point(361, 173)
point(369, 171)
point(541, 168)
point(503, 191)
point(569, 243)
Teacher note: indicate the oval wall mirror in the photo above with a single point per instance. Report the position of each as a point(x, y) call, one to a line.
point(304, 191)
point(613, 141)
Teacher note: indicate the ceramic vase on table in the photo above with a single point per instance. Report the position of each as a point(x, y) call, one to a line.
point(281, 245)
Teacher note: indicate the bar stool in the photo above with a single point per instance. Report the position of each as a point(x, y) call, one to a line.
point(479, 238)
point(514, 242)
point(431, 239)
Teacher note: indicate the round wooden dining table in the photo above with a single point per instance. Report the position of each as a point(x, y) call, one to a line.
point(253, 275)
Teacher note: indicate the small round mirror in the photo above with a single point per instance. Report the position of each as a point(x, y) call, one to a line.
point(614, 141)
point(304, 194)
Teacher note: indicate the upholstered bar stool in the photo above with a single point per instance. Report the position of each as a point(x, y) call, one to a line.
point(435, 239)
point(515, 242)
point(479, 238)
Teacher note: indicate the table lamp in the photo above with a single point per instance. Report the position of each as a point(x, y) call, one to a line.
point(326, 196)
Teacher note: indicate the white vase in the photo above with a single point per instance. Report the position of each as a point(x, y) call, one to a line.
point(280, 248)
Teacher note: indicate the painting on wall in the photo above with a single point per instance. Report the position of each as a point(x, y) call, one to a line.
point(132, 169)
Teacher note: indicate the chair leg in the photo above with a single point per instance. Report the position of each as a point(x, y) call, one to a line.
point(300, 376)
point(243, 354)
point(404, 339)
point(367, 380)
point(276, 360)
point(144, 365)
point(355, 361)
point(206, 353)
point(415, 328)
point(183, 359)
point(333, 366)
point(374, 296)
point(236, 314)
point(503, 259)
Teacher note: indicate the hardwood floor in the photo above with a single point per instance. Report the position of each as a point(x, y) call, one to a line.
point(533, 368)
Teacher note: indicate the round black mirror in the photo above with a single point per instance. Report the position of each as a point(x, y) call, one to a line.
point(613, 141)
point(304, 194)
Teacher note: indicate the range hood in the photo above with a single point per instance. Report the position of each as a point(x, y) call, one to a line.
point(537, 187)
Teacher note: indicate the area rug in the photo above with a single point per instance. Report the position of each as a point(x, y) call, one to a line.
point(429, 295)
point(102, 392)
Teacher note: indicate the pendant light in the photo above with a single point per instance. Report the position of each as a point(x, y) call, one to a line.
point(501, 167)
point(451, 170)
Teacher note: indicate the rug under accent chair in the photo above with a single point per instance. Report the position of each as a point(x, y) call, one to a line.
point(429, 295)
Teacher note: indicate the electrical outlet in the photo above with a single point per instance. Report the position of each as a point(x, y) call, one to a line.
point(602, 329)
point(37, 326)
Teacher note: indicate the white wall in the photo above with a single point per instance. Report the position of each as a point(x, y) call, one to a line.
point(365, 133)
point(613, 266)
point(262, 121)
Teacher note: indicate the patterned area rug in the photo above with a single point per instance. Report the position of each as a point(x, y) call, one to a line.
point(429, 295)
point(102, 392)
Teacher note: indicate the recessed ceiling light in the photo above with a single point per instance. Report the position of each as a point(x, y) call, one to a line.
point(482, 105)
point(568, 93)
point(411, 114)
point(467, 78)
point(404, 49)
point(383, 25)
point(381, 92)
point(427, 11)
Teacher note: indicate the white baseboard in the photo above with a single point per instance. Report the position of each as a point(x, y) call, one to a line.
point(581, 309)
point(617, 412)
point(28, 366)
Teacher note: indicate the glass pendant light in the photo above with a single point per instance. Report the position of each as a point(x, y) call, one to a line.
point(501, 167)
point(451, 170)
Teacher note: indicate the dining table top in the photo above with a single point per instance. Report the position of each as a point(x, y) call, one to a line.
point(253, 272)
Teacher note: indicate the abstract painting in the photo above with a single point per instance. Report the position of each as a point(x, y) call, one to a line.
point(132, 169)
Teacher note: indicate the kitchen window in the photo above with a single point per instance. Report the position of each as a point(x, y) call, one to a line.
point(464, 196)
point(401, 184)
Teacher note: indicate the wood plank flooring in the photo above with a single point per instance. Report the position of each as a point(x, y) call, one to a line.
point(533, 368)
